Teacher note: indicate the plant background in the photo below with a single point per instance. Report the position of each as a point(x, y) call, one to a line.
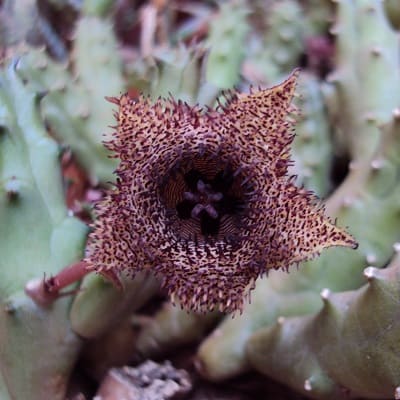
point(327, 330)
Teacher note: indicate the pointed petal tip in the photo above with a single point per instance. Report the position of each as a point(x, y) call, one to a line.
point(346, 241)
point(291, 80)
point(113, 100)
point(295, 72)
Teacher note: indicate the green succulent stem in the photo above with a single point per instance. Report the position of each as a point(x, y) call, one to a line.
point(346, 350)
point(366, 201)
point(31, 195)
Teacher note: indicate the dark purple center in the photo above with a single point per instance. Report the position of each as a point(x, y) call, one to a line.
point(208, 200)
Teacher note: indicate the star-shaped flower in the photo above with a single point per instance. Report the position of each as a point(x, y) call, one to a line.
point(203, 199)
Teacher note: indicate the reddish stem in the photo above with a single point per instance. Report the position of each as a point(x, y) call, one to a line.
point(45, 291)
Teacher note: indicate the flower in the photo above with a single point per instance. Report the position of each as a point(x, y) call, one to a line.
point(202, 198)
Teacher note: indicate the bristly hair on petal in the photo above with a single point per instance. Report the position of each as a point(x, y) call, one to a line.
point(203, 198)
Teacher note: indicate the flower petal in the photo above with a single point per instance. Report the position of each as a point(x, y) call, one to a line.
point(261, 119)
point(296, 229)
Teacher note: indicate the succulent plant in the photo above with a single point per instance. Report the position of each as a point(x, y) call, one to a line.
point(347, 350)
point(100, 305)
point(277, 51)
point(199, 193)
point(318, 15)
point(31, 195)
point(312, 150)
point(365, 202)
point(366, 48)
point(226, 41)
point(349, 344)
point(169, 70)
point(24, 22)
point(222, 354)
point(74, 106)
point(172, 327)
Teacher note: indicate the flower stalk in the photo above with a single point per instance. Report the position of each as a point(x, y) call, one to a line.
point(45, 291)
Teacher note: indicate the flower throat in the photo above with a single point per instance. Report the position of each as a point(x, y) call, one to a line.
point(208, 200)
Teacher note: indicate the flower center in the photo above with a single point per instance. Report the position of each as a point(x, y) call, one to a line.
point(208, 200)
point(204, 200)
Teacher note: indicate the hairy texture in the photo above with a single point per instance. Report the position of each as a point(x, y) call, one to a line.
point(203, 199)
